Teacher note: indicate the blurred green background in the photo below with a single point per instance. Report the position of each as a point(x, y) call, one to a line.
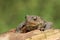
point(12, 12)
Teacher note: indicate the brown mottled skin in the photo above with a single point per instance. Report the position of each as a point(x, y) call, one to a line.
point(33, 22)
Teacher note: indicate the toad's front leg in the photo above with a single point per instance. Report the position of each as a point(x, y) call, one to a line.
point(48, 25)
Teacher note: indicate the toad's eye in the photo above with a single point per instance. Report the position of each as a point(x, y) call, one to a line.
point(34, 18)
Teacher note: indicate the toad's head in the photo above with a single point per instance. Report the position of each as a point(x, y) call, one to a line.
point(34, 20)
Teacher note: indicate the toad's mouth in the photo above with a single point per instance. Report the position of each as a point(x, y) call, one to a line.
point(33, 23)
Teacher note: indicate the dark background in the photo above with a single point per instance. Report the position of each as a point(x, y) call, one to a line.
point(12, 12)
